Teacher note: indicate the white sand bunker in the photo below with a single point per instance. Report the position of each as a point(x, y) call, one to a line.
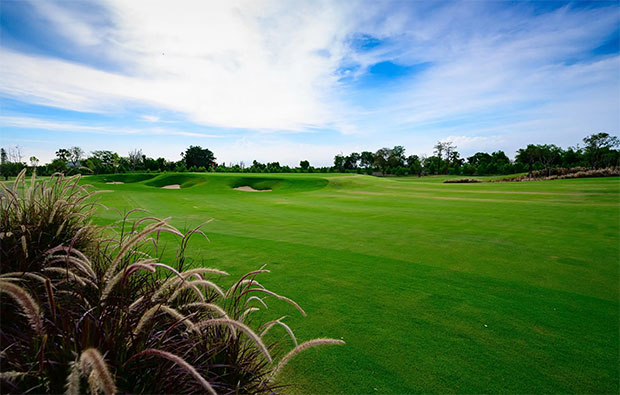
point(115, 182)
point(173, 186)
point(246, 188)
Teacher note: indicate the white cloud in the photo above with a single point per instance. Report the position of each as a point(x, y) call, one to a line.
point(498, 76)
point(224, 64)
point(37, 123)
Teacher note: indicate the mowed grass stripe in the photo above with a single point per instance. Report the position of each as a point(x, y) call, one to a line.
point(410, 281)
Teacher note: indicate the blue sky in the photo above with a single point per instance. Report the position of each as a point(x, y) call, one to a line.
point(292, 80)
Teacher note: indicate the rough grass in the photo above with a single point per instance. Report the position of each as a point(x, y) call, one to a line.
point(71, 320)
point(472, 288)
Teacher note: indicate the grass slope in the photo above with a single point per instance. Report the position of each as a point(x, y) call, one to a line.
point(492, 287)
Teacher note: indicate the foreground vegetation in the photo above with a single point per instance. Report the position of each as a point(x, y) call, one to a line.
point(473, 288)
point(87, 307)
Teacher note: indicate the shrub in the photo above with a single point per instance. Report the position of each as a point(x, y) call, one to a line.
point(42, 215)
point(563, 173)
point(113, 317)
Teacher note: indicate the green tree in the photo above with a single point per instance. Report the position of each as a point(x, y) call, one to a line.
point(599, 150)
point(414, 164)
point(382, 157)
point(350, 161)
point(397, 156)
point(34, 162)
point(304, 164)
point(75, 155)
point(528, 156)
point(198, 156)
point(339, 162)
point(367, 159)
point(63, 154)
point(549, 154)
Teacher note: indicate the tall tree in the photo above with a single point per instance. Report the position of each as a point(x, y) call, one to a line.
point(367, 159)
point(350, 161)
point(135, 158)
point(198, 156)
point(528, 156)
point(304, 164)
point(397, 156)
point(598, 146)
point(382, 157)
point(75, 155)
point(438, 150)
point(414, 164)
point(339, 162)
point(549, 154)
point(34, 162)
point(63, 154)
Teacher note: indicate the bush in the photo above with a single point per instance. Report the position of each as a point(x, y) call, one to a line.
point(562, 173)
point(113, 317)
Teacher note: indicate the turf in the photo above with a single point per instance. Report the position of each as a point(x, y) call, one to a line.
point(471, 288)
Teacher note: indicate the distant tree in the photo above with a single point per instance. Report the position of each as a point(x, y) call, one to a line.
point(528, 156)
point(479, 158)
point(572, 157)
point(443, 149)
point(63, 154)
point(339, 162)
point(4, 163)
point(599, 149)
point(57, 165)
point(367, 159)
point(198, 156)
point(549, 154)
point(455, 162)
point(414, 164)
point(382, 157)
point(274, 167)
point(103, 162)
point(75, 155)
point(350, 161)
point(397, 156)
point(15, 154)
point(431, 164)
point(438, 150)
point(34, 162)
point(304, 164)
point(135, 158)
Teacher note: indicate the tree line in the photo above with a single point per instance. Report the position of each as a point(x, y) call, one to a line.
point(599, 150)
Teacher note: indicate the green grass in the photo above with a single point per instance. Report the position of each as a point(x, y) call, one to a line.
point(491, 287)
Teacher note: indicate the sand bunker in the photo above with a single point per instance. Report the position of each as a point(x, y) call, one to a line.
point(246, 188)
point(173, 186)
point(115, 182)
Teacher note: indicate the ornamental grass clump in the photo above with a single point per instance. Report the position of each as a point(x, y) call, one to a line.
point(111, 316)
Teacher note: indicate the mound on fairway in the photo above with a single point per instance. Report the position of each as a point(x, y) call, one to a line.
point(122, 178)
point(223, 183)
point(182, 180)
point(276, 184)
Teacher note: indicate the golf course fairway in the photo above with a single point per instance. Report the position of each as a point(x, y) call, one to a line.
point(469, 288)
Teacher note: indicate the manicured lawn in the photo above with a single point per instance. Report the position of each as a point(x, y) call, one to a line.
point(491, 287)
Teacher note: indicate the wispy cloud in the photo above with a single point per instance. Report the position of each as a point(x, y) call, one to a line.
point(36, 123)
